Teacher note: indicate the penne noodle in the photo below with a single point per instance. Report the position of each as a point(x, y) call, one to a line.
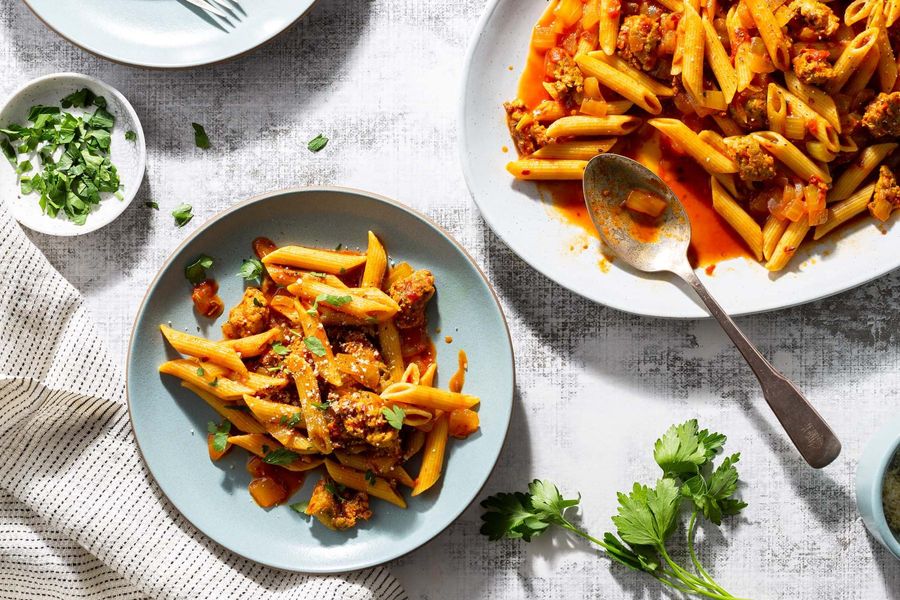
point(314, 259)
point(813, 98)
point(776, 108)
point(790, 155)
point(427, 378)
point(428, 397)
point(310, 402)
point(228, 410)
point(620, 82)
point(415, 416)
point(274, 413)
point(199, 347)
point(433, 455)
point(323, 357)
point(692, 54)
point(356, 480)
point(851, 58)
point(575, 150)
point(708, 157)
point(863, 74)
point(609, 25)
point(820, 152)
point(770, 32)
point(737, 217)
point(887, 63)
point(389, 340)
point(592, 126)
point(254, 345)
point(857, 11)
point(309, 288)
point(262, 445)
point(624, 67)
point(856, 173)
point(719, 61)
point(382, 466)
point(788, 244)
point(376, 263)
point(538, 169)
point(198, 375)
point(397, 272)
point(772, 232)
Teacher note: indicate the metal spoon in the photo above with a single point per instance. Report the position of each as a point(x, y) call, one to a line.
point(608, 179)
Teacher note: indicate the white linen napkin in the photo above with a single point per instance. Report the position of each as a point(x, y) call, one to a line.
point(80, 515)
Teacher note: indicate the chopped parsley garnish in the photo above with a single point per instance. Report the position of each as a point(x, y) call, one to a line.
point(183, 214)
point(200, 372)
point(329, 299)
point(239, 407)
point(214, 382)
point(394, 416)
point(280, 456)
point(75, 166)
point(291, 421)
point(220, 435)
point(338, 247)
point(151, 204)
point(200, 137)
point(299, 507)
point(130, 135)
point(370, 477)
point(257, 303)
point(315, 345)
point(321, 405)
point(317, 143)
point(251, 269)
point(279, 349)
point(196, 271)
point(335, 489)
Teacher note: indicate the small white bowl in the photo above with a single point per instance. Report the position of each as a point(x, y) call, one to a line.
point(129, 158)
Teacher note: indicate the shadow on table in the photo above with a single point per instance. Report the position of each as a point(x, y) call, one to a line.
point(889, 566)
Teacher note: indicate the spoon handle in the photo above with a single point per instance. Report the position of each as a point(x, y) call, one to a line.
point(810, 433)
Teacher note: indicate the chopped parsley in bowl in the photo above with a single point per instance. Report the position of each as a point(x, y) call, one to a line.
point(76, 154)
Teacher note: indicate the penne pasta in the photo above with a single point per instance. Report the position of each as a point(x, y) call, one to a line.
point(309, 288)
point(770, 32)
point(856, 173)
point(621, 82)
point(383, 466)
point(202, 348)
point(433, 455)
point(815, 99)
point(314, 259)
point(198, 375)
point(310, 402)
point(609, 25)
point(692, 54)
point(708, 157)
point(254, 345)
point(228, 410)
point(389, 338)
point(772, 231)
point(356, 480)
point(790, 155)
point(263, 446)
point(428, 397)
point(322, 354)
point(592, 126)
point(538, 169)
point(788, 244)
point(738, 218)
point(576, 149)
point(376, 263)
point(851, 58)
point(719, 61)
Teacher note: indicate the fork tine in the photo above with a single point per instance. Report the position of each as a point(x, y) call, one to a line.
point(202, 4)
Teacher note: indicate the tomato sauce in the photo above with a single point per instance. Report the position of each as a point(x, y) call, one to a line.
point(273, 484)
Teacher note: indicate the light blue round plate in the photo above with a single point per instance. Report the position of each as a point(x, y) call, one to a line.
point(170, 422)
point(168, 34)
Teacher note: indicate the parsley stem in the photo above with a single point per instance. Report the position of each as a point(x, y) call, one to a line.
point(700, 586)
point(692, 529)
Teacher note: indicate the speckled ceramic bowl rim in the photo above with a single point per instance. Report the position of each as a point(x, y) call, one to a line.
point(183, 67)
point(131, 193)
point(379, 198)
point(890, 538)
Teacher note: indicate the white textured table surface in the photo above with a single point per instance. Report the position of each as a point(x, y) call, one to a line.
point(595, 386)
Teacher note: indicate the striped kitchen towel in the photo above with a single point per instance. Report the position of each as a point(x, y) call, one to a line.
point(80, 517)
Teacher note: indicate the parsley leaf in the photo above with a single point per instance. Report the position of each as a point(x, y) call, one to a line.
point(394, 415)
point(317, 143)
point(331, 300)
point(370, 477)
point(647, 516)
point(294, 420)
point(315, 345)
point(201, 140)
point(130, 135)
point(321, 405)
point(279, 349)
point(251, 269)
point(196, 271)
point(151, 204)
point(335, 489)
point(280, 456)
point(183, 214)
point(299, 507)
point(220, 435)
point(214, 382)
point(79, 99)
point(200, 372)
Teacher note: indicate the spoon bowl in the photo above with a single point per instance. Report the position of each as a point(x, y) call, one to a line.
point(608, 180)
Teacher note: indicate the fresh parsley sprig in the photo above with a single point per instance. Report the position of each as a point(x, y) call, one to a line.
point(647, 516)
point(220, 435)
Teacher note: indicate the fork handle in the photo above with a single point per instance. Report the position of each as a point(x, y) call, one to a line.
point(809, 432)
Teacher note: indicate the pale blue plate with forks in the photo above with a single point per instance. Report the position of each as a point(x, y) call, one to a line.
point(169, 34)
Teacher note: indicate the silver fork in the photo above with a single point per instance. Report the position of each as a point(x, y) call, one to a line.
point(208, 7)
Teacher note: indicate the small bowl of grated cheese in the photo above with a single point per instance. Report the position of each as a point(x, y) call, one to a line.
point(878, 486)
